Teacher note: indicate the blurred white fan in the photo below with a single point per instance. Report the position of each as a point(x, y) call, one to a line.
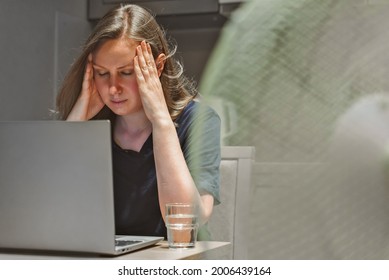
point(354, 196)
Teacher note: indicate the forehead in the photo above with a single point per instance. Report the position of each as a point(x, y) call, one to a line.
point(115, 51)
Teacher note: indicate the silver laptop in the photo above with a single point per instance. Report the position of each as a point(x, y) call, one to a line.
point(56, 188)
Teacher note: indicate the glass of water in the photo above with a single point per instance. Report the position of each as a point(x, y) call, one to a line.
point(182, 225)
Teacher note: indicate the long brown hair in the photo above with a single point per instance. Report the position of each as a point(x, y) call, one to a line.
point(138, 24)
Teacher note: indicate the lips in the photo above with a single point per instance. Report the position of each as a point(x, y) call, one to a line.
point(118, 102)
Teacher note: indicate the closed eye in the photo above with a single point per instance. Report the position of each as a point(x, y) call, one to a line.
point(102, 74)
point(99, 71)
point(126, 73)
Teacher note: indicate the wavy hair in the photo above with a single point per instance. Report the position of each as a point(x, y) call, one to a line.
point(137, 24)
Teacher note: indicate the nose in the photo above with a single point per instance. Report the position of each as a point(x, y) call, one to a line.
point(114, 86)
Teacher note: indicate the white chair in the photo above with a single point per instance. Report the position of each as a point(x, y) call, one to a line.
point(229, 221)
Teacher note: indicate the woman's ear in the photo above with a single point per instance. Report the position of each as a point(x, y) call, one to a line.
point(160, 63)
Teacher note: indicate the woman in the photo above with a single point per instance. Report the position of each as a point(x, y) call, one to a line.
point(165, 149)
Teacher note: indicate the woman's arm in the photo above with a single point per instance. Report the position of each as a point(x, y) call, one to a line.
point(175, 182)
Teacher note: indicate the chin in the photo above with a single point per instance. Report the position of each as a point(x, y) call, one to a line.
point(125, 112)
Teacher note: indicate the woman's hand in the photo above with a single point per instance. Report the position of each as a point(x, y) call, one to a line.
point(89, 103)
point(150, 88)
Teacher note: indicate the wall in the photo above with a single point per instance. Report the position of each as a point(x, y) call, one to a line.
point(38, 41)
point(194, 48)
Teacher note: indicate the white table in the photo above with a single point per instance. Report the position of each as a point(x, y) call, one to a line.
point(160, 251)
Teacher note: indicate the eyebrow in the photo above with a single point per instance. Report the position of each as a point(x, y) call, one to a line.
point(130, 64)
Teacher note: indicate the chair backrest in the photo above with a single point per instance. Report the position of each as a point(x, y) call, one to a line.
point(229, 221)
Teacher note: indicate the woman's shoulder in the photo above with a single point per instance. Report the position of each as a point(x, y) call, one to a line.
point(197, 114)
point(198, 109)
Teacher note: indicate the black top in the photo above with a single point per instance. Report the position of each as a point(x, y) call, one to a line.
point(135, 184)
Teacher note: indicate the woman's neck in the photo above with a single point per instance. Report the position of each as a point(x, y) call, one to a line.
point(131, 132)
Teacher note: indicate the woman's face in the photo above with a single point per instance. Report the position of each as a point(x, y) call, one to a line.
point(114, 76)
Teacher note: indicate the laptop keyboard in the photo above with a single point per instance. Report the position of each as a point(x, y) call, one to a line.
point(126, 242)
